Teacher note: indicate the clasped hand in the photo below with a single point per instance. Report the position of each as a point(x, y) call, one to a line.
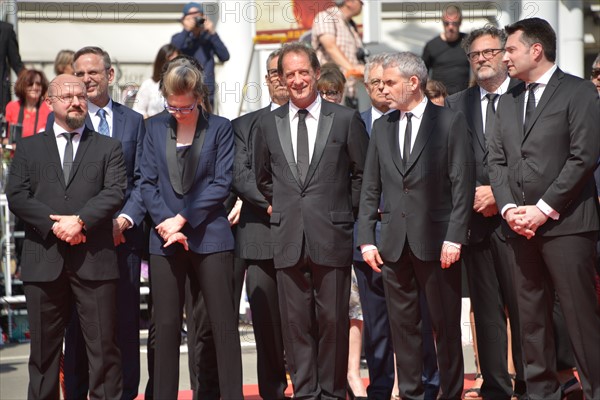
point(169, 231)
point(525, 220)
point(68, 229)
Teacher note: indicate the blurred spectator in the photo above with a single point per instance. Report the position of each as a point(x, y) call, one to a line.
point(444, 56)
point(436, 92)
point(149, 101)
point(27, 115)
point(63, 63)
point(331, 83)
point(335, 38)
point(595, 77)
point(9, 52)
point(200, 40)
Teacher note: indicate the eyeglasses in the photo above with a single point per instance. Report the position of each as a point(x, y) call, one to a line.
point(92, 74)
point(595, 73)
point(69, 98)
point(272, 73)
point(181, 110)
point(330, 93)
point(375, 83)
point(453, 23)
point(487, 54)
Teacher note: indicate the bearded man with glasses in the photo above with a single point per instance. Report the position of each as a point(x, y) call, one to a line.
point(443, 55)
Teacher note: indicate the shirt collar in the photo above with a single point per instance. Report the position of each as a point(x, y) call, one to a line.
point(59, 130)
point(419, 110)
point(274, 106)
point(93, 109)
point(376, 114)
point(544, 79)
point(503, 88)
point(314, 109)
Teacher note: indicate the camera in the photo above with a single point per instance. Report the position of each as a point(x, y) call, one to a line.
point(362, 54)
point(199, 21)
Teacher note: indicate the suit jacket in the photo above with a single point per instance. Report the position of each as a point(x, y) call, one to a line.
point(95, 190)
point(253, 232)
point(321, 209)
point(428, 202)
point(469, 103)
point(199, 194)
point(554, 159)
point(129, 129)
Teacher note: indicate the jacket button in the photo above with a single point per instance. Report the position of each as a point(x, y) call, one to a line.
point(66, 197)
point(302, 194)
point(403, 215)
point(406, 190)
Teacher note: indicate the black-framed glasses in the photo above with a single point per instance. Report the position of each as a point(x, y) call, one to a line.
point(180, 110)
point(595, 73)
point(330, 93)
point(487, 54)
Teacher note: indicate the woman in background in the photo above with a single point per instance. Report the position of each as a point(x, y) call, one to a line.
point(63, 63)
point(149, 101)
point(27, 115)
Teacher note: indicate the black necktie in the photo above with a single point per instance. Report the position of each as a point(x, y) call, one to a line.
point(68, 157)
point(490, 113)
point(407, 139)
point(530, 106)
point(302, 146)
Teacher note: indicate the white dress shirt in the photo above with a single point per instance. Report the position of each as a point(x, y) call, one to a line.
point(376, 114)
point(93, 112)
point(416, 120)
point(61, 140)
point(484, 101)
point(312, 122)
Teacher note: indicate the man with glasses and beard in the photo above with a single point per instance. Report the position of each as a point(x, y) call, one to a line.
point(66, 184)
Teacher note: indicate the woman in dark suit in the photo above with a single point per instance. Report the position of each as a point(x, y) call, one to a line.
point(186, 176)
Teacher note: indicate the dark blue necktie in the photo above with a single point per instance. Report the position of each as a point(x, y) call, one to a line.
point(103, 127)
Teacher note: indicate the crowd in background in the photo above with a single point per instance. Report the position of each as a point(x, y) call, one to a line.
point(351, 230)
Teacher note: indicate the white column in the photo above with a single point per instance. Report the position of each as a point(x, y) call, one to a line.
point(371, 19)
point(569, 40)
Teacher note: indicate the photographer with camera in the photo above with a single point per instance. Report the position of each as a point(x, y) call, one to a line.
point(336, 39)
point(200, 40)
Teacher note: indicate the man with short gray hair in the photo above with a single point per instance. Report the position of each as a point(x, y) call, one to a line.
point(420, 157)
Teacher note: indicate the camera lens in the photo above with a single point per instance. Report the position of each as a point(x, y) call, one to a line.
point(200, 21)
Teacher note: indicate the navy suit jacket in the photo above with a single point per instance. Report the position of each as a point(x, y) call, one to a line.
point(129, 129)
point(199, 194)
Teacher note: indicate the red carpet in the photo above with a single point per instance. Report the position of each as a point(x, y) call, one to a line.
point(251, 391)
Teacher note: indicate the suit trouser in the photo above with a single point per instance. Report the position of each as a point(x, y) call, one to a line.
point(403, 280)
point(567, 263)
point(49, 306)
point(489, 271)
point(313, 304)
point(212, 276)
point(128, 333)
point(261, 286)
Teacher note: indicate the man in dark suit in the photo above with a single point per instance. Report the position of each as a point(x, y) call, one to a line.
point(93, 66)
point(253, 243)
point(309, 157)
point(9, 52)
point(542, 156)
point(420, 159)
point(66, 184)
point(488, 259)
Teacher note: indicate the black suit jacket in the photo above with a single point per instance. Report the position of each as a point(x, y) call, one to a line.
point(431, 200)
point(320, 209)
point(36, 189)
point(253, 232)
point(469, 103)
point(9, 56)
point(554, 159)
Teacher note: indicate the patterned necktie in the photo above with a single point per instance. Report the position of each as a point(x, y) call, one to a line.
point(530, 106)
point(490, 113)
point(302, 146)
point(407, 139)
point(68, 156)
point(103, 127)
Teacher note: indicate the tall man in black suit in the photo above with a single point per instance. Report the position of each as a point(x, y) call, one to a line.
point(309, 157)
point(253, 243)
point(9, 56)
point(424, 169)
point(93, 66)
point(66, 184)
point(542, 157)
point(488, 259)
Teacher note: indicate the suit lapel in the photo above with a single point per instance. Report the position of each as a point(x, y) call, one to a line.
point(427, 124)
point(282, 123)
point(323, 129)
point(50, 139)
point(86, 138)
point(394, 140)
point(553, 84)
point(193, 158)
point(474, 109)
point(118, 122)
